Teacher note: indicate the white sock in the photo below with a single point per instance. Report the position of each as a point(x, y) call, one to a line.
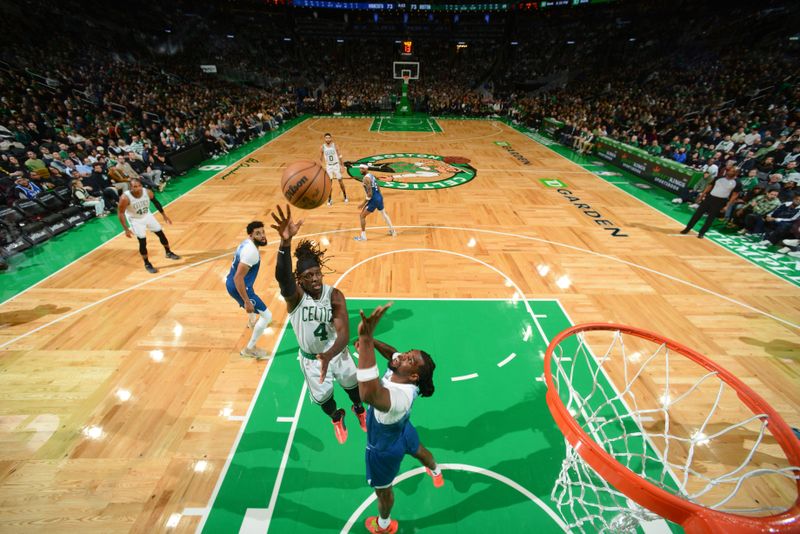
point(384, 523)
point(436, 471)
point(387, 219)
point(258, 329)
point(363, 235)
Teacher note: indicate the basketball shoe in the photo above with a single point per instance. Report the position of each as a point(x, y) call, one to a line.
point(255, 352)
point(372, 526)
point(362, 417)
point(438, 480)
point(339, 427)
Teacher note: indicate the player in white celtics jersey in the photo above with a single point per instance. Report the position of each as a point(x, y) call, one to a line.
point(332, 159)
point(318, 314)
point(133, 211)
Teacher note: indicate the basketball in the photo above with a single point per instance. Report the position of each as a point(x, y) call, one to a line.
point(305, 184)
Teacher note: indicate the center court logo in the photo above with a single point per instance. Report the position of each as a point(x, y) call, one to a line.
point(415, 171)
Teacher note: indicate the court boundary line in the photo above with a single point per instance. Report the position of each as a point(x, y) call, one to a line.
point(110, 239)
point(428, 227)
point(760, 268)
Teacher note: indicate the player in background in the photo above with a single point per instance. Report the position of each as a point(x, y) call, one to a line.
point(372, 202)
point(133, 211)
point(239, 283)
point(318, 314)
point(390, 434)
point(332, 160)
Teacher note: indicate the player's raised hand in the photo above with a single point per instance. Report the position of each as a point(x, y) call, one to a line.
point(367, 325)
point(286, 227)
point(323, 366)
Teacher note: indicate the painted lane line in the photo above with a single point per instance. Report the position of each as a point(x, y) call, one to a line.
point(464, 377)
point(540, 316)
point(508, 359)
point(236, 418)
point(235, 445)
point(256, 521)
point(194, 512)
point(265, 515)
point(285, 420)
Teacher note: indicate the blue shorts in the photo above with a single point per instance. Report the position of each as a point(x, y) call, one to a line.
point(251, 295)
point(383, 465)
point(375, 203)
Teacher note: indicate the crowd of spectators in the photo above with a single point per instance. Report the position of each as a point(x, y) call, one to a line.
point(674, 80)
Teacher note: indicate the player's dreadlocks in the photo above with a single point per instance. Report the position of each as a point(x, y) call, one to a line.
point(425, 381)
point(308, 255)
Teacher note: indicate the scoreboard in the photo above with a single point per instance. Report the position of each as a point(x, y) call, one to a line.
point(436, 6)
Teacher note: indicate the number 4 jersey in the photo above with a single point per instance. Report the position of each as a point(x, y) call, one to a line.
point(312, 321)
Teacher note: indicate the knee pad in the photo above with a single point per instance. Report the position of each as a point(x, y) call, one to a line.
point(266, 315)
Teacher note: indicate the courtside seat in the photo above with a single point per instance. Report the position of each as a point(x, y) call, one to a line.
point(32, 210)
point(35, 232)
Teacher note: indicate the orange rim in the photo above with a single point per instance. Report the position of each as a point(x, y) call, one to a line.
point(693, 517)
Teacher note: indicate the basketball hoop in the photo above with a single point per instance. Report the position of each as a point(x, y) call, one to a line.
point(642, 445)
point(406, 77)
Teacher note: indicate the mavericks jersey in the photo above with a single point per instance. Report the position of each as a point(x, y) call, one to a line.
point(138, 208)
point(330, 154)
point(247, 253)
point(312, 321)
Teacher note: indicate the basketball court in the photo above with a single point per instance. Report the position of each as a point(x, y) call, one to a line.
point(128, 408)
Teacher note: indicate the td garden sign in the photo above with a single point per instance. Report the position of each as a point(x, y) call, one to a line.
point(414, 171)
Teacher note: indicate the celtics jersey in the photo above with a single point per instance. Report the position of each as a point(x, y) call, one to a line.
point(312, 321)
point(330, 154)
point(138, 208)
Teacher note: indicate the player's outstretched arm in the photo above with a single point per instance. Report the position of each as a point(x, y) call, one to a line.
point(287, 229)
point(159, 207)
point(121, 207)
point(369, 386)
point(342, 326)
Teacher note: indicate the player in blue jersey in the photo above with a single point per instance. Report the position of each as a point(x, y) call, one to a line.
point(372, 202)
point(239, 283)
point(390, 434)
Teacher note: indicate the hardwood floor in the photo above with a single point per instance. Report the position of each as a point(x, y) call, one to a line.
point(116, 382)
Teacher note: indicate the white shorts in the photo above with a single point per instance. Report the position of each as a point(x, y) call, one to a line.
point(140, 225)
point(341, 368)
point(335, 171)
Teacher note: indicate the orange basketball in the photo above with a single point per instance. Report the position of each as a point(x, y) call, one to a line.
point(305, 184)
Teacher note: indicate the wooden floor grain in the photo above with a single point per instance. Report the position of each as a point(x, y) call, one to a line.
point(106, 413)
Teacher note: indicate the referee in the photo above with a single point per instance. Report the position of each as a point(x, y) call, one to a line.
point(717, 196)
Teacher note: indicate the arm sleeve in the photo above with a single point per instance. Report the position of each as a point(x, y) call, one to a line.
point(283, 272)
point(158, 205)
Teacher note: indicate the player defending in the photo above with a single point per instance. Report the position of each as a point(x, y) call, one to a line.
point(390, 434)
point(318, 314)
point(239, 283)
point(134, 210)
point(372, 202)
point(332, 159)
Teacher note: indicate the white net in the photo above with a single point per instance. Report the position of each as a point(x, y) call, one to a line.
point(669, 420)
